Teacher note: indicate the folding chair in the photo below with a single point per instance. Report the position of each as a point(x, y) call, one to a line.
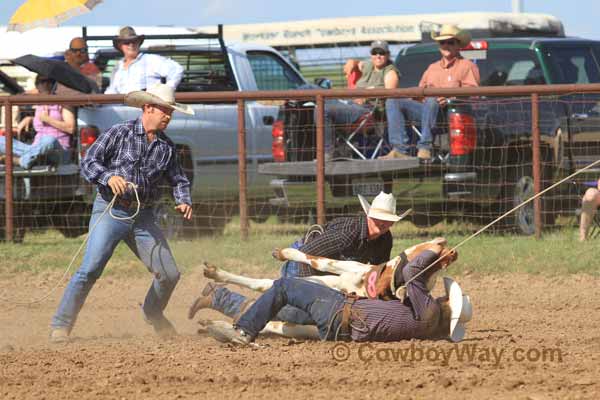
point(364, 123)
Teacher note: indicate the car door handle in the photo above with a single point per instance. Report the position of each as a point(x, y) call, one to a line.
point(268, 120)
point(579, 116)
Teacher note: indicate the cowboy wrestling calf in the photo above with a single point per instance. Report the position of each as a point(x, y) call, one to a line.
point(384, 281)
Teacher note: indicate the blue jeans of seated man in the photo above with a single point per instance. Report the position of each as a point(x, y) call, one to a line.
point(425, 113)
point(320, 302)
point(339, 113)
point(28, 154)
point(148, 243)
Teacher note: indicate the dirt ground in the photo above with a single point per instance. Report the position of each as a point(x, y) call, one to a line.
point(532, 337)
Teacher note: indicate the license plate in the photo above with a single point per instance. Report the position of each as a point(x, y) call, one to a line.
point(367, 188)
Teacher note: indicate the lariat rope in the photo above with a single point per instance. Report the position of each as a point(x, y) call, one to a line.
point(107, 209)
point(501, 217)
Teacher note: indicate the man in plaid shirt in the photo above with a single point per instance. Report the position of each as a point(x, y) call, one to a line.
point(365, 238)
point(134, 152)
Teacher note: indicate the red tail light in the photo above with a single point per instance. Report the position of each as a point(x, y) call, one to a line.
point(278, 144)
point(87, 137)
point(476, 45)
point(463, 135)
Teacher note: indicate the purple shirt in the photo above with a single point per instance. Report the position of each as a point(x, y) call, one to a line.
point(390, 321)
point(44, 129)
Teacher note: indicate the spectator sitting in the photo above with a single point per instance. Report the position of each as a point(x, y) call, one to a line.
point(54, 125)
point(589, 206)
point(377, 73)
point(138, 71)
point(451, 71)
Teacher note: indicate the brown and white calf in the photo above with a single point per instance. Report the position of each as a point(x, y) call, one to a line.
point(383, 281)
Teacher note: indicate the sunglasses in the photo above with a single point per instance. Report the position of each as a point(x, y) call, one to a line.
point(82, 50)
point(134, 42)
point(377, 52)
point(449, 41)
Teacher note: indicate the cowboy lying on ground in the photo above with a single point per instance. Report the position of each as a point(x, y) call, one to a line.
point(344, 317)
point(451, 71)
point(365, 238)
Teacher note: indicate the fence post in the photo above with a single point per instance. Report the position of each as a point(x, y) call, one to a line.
point(320, 160)
point(8, 172)
point(537, 178)
point(243, 185)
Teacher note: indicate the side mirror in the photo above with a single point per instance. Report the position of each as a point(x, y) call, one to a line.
point(324, 83)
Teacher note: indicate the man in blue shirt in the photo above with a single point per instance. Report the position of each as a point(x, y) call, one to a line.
point(131, 157)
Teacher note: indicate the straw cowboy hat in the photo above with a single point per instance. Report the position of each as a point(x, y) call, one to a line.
point(160, 94)
point(128, 34)
point(452, 32)
point(383, 207)
point(461, 309)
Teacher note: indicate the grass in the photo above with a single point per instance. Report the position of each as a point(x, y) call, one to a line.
point(557, 253)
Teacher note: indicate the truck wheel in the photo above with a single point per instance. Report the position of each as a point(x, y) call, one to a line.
point(74, 219)
point(211, 218)
point(169, 220)
point(519, 187)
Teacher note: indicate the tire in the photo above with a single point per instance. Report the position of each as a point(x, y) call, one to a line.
point(518, 188)
point(210, 219)
point(73, 219)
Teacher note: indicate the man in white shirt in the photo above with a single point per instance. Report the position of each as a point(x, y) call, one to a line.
point(137, 71)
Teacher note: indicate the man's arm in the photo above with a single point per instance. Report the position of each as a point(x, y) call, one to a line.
point(93, 165)
point(416, 290)
point(165, 67)
point(471, 78)
point(391, 80)
point(180, 184)
point(332, 242)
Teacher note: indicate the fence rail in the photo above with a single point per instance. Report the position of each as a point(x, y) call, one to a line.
point(319, 96)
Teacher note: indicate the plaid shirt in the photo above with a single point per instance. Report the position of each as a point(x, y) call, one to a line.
point(123, 150)
point(388, 321)
point(344, 238)
point(145, 71)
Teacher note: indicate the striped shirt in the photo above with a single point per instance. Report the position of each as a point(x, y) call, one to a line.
point(346, 238)
point(123, 150)
point(145, 71)
point(390, 321)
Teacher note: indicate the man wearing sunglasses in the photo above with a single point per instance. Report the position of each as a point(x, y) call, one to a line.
point(451, 71)
point(137, 70)
point(376, 73)
point(77, 57)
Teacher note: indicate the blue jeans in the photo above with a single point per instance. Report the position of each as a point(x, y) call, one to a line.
point(339, 113)
point(425, 114)
point(320, 302)
point(230, 303)
point(144, 238)
point(28, 153)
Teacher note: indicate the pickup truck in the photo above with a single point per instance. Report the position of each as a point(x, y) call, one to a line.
point(207, 141)
point(46, 195)
point(482, 165)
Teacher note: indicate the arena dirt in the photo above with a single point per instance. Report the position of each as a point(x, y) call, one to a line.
point(532, 337)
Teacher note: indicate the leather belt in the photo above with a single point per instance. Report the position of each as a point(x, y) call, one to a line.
point(125, 203)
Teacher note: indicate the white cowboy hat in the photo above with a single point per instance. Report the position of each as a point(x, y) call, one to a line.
point(448, 31)
point(461, 309)
point(160, 94)
point(383, 207)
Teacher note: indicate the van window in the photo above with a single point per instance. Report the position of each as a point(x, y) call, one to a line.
point(573, 65)
point(272, 73)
